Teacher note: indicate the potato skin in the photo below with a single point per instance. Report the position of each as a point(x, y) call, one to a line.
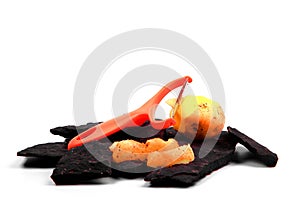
point(198, 117)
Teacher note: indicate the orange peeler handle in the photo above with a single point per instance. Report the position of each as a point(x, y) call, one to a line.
point(107, 128)
point(134, 118)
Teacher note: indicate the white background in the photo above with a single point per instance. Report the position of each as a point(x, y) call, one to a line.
point(254, 44)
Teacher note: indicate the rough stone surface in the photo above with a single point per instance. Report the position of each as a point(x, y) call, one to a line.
point(186, 175)
point(93, 160)
point(79, 165)
point(140, 134)
point(71, 131)
point(261, 152)
point(47, 150)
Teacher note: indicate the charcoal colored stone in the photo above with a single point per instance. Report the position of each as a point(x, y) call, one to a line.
point(39, 162)
point(43, 155)
point(71, 131)
point(261, 152)
point(47, 151)
point(186, 175)
point(138, 133)
point(79, 165)
point(130, 169)
point(70, 169)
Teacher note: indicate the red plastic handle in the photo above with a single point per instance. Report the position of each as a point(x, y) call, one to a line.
point(105, 129)
point(134, 118)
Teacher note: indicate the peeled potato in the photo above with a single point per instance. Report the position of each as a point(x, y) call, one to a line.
point(198, 117)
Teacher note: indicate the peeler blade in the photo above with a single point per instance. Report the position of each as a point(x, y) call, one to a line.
point(178, 98)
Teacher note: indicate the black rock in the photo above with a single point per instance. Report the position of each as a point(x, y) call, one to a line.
point(47, 151)
point(186, 175)
point(138, 133)
point(43, 155)
point(130, 169)
point(38, 162)
point(83, 163)
point(71, 131)
point(261, 152)
point(93, 160)
point(86, 162)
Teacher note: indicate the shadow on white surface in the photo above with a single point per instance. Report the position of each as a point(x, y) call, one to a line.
point(243, 156)
point(17, 163)
point(100, 181)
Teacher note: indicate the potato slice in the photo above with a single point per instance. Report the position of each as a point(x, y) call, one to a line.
point(132, 150)
point(157, 152)
point(129, 145)
point(180, 155)
point(157, 144)
point(128, 150)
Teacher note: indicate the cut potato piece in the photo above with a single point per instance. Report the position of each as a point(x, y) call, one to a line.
point(128, 150)
point(157, 152)
point(128, 145)
point(132, 150)
point(180, 155)
point(157, 144)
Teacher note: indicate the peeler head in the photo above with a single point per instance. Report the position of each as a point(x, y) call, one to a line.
point(150, 106)
point(179, 98)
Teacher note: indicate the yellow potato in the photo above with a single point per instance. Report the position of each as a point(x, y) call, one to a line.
point(198, 117)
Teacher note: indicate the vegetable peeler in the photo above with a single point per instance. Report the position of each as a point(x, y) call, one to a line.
point(134, 118)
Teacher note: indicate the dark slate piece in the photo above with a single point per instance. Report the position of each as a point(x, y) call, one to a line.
point(79, 165)
point(186, 175)
point(140, 134)
point(261, 152)
point(58, 149)
point(43, 155)
point(130, 169)
point(38, 162)
point(145, 132)
point(46, 151)
point(71, 131)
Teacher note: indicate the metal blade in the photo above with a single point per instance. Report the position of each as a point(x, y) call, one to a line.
point(178, 98)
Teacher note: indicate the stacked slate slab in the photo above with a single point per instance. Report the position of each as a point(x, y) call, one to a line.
point(94, 160)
